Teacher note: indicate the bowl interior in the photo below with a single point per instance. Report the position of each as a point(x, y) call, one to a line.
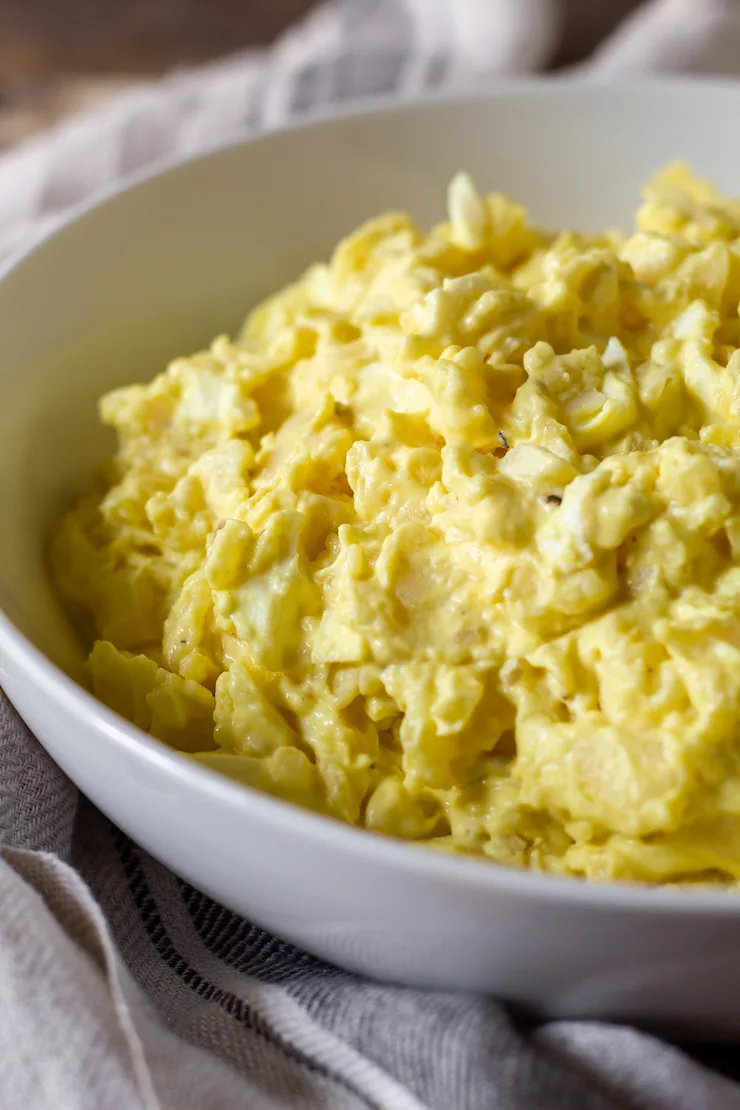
point(162, 268)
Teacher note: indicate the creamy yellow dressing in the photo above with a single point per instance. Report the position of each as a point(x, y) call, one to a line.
point(447, 542)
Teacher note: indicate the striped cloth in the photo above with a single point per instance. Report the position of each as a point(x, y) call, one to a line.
point(122, 987)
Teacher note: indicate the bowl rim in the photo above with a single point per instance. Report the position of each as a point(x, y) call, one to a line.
point(576, 81)
point(52, 682)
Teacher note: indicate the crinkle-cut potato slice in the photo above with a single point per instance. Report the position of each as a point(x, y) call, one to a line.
point(447, 542)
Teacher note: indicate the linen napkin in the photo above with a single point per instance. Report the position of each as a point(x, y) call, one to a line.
point(122, 987)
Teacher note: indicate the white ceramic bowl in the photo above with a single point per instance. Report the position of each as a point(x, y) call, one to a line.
point(156, 271)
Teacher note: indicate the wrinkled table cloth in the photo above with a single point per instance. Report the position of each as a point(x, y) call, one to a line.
point(122, 987)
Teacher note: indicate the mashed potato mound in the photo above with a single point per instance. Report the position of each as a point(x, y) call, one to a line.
point(446, 543)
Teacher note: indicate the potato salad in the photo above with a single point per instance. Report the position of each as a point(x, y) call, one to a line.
point(446, 543)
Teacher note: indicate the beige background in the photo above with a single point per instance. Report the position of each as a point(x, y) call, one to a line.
point(57, 56)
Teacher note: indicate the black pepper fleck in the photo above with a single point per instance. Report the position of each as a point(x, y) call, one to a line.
point(553, 499)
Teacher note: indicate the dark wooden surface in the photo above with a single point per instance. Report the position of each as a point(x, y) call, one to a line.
point(57, 56)
point(42, 37)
